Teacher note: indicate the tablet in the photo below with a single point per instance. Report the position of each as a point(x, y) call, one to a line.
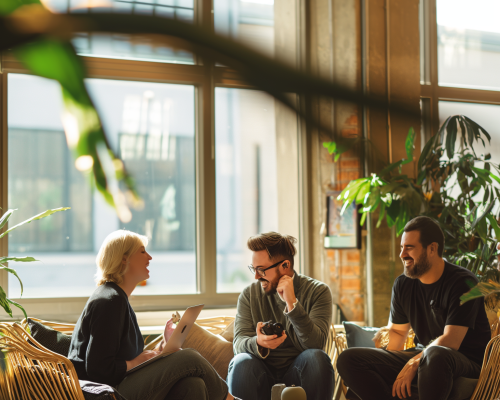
point(178, 336)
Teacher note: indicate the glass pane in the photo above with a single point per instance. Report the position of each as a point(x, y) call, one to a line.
point(485, 115)
point(251, 21)
point(469, 43)
point(246, 180)
point(151, 126)
point(125, 46)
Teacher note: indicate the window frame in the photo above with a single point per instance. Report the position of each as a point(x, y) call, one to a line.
point(430, 90)
point(205, 76)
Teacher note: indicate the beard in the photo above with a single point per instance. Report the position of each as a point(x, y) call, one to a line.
point(271, 286)
point(419, 268)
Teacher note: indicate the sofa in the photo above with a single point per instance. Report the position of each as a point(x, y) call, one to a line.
point(34, 363)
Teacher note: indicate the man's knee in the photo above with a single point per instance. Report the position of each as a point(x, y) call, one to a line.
point(245, 363)
point(316, 357)
point(350, 358)
point(436, 357)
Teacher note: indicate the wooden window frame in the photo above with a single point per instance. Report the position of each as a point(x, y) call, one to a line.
point(205, 76)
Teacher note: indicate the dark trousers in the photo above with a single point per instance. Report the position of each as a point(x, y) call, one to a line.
point(371, 373)
point(184, 375)
point(251, 379)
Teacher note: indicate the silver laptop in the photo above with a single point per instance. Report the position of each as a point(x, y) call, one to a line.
point(178, 336)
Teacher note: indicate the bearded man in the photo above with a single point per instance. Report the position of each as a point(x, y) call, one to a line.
point(304, 308)
point(451, 338)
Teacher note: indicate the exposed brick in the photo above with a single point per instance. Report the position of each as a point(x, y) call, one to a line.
point(349, 163)
point(353, 255)
point(349, 132)
point(350, 284)
point(352, 120)
point(348, 270)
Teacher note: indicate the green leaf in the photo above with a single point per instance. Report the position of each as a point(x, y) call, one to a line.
point(409, 144)
point(9, 6)
point(330, 146)
point(484, 214)
point(36, 217)
point(482, 289)
point(451, 138)
point(17, 259)
point(363, 218)
point(364, 189)
point(6, 217)
point(4, 303)
point(478, 127)
point(13, 272)
point(425, 152)
point(390, 167)
point(21, 308)
point(494, 225)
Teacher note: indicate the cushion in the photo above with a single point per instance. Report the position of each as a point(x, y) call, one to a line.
point(216, 350)
point(359, 336)
point(228, 333)
point(51, 339)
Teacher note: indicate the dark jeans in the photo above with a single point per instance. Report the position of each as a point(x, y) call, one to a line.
point(184, 375)
point(251, 379)
point(371, 373)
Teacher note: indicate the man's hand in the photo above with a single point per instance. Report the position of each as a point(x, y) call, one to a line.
point(268, 341)
point(285, 290)
point(403, 381)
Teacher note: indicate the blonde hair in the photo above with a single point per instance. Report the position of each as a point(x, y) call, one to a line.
point(276, 245)
point(109, 260)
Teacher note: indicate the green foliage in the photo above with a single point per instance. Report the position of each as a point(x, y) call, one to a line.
point(5, 302)
point(455, 186)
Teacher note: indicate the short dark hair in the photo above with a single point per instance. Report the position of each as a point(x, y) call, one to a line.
point(430, 232)
point(276, 244)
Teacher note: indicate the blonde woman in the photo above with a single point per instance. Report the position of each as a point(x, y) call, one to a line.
point(107, 341)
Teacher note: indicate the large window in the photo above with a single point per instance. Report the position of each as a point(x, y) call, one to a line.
point(211, 157)
point(151, 127)
point(460, 55)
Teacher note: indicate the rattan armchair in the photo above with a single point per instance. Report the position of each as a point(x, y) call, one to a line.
point(33, 371)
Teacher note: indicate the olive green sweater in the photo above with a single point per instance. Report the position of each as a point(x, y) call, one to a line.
point(306, 326)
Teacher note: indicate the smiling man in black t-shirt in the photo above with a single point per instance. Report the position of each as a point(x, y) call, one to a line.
point(451, 338)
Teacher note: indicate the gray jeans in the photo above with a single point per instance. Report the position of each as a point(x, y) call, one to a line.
point(184, 375)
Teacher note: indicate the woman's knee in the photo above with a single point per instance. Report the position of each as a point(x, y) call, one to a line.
point(191, 387)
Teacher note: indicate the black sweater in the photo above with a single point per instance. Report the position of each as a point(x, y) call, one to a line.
point(105, 337)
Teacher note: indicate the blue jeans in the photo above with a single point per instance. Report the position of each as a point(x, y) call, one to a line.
point(250, 378)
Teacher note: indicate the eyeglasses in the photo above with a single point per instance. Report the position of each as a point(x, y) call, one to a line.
point(261, 271)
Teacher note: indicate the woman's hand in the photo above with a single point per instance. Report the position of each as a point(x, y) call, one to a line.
point(143, 357)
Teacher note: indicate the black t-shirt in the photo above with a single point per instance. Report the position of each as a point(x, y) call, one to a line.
point(105, 337)
point(429, 308)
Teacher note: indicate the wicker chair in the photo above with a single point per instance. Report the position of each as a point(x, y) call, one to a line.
point(34, 372)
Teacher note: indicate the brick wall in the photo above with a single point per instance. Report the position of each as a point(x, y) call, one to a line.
point(346, 267)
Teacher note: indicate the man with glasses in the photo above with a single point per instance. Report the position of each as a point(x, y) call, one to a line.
point(304, 308)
